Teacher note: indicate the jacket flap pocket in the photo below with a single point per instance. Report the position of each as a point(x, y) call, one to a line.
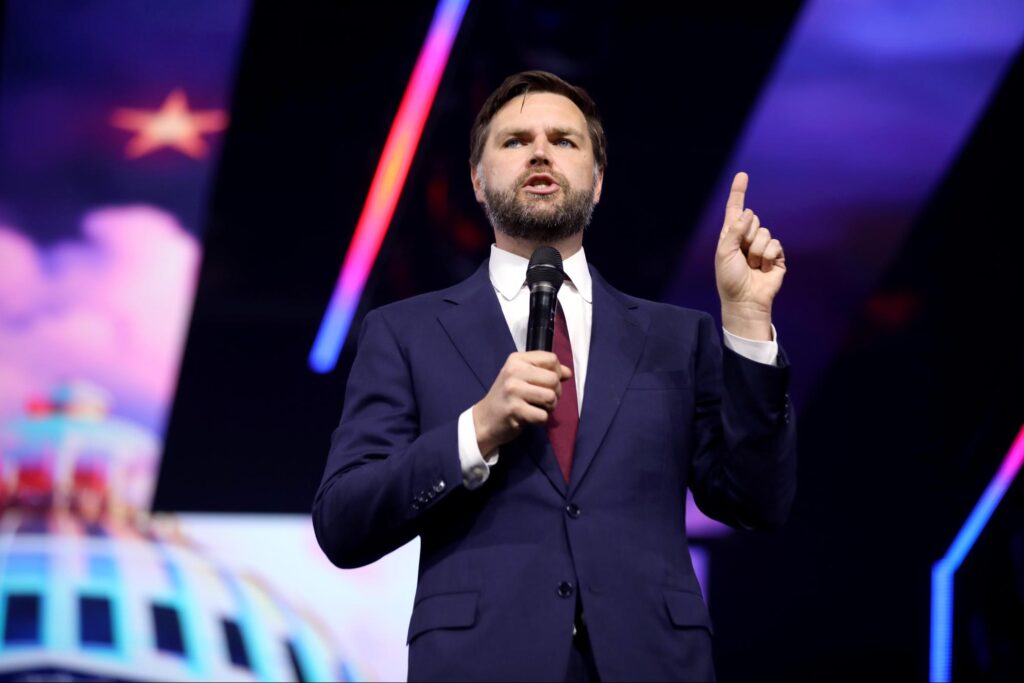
point(687, 610)
point(663, 379)
point(447, 610)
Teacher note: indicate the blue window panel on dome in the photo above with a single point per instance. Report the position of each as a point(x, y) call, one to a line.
point(102, 568)
point(167, 629)
point(236, 644)
point(36, 565)
point(95, 621)
point(293, 657)
point(21, 622)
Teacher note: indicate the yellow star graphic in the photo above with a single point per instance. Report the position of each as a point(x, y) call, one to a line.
point(173, 125)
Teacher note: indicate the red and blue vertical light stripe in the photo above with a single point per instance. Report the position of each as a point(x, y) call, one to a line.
point(387, 184)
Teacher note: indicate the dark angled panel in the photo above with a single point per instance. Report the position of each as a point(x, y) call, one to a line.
point(314, 101)
point(901, 437)
point(316, 90)
point(315, 98)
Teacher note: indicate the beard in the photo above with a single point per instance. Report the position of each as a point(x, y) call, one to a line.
point(540, 218)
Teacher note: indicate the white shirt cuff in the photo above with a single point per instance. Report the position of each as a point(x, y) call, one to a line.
point(766, 352)
point(475, 468)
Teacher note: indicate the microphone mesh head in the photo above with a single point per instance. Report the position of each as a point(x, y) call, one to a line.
point(545, 266)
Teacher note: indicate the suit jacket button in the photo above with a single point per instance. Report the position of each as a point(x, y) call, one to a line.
point(439, 486)
point(565, 589)
point(573, 510)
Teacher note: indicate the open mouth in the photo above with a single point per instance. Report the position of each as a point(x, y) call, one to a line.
point(541, 184)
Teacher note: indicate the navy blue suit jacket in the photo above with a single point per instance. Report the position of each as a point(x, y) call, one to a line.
point(665, 408)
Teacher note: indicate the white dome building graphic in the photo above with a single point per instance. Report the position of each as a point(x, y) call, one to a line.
point(92, 587)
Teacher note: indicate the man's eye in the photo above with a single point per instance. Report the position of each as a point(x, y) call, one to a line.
point(514, 142)
point(565, 143)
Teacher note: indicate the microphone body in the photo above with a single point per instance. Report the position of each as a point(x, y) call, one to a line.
point(540, 329)
point(544, 276)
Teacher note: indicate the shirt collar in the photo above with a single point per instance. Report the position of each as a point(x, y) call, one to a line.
point(508, 273)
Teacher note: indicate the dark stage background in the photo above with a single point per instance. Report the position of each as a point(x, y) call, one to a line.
point(899, 433)
point(898, 313)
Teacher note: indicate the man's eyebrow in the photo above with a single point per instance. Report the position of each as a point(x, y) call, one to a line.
point(564, 132)
point(555, 132)
point(512, 133)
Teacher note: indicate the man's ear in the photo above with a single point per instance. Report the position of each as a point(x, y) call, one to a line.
point(478, 184)
point(598, 183)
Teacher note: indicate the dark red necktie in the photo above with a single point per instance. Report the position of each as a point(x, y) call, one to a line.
point(565, 418)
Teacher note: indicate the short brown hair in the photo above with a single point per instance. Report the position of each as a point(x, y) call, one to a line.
point(539, 82)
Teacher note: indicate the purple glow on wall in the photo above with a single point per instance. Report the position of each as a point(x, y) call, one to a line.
point(867, 108)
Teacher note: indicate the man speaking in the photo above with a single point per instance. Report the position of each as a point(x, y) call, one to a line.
point(538, 429)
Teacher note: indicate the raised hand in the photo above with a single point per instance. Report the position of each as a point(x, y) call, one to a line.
point(749, 267)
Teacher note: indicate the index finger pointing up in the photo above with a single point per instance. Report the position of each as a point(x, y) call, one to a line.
point(734, 207)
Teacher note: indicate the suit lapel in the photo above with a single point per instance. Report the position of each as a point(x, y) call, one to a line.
point(478, 330)
point(617, 339)
point(477, 327)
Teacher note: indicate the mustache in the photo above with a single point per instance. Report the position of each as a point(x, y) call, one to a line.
point(562, 181)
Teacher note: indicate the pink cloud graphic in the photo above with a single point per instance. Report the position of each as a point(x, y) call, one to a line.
point(111, 308)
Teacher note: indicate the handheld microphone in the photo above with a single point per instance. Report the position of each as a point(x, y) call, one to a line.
point(544, 276)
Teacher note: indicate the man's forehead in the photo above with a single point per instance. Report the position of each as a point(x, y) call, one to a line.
point(544, 108)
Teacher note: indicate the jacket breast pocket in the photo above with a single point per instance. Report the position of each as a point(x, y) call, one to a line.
point(447, 610)
point(662, 379)
point(687, 610)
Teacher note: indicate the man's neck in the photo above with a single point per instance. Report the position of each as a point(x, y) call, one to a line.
point(525, 248)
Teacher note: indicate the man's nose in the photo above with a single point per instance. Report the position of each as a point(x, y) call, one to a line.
point(539, 153)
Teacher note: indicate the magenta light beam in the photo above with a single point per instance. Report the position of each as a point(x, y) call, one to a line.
point(387, 184)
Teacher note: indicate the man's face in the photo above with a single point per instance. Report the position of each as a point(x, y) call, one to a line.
point(536, 178)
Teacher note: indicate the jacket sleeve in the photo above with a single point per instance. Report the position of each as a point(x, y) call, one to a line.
point(383, 475)
point(743, 469)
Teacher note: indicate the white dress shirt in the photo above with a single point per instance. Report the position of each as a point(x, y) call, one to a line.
point(508, 276)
